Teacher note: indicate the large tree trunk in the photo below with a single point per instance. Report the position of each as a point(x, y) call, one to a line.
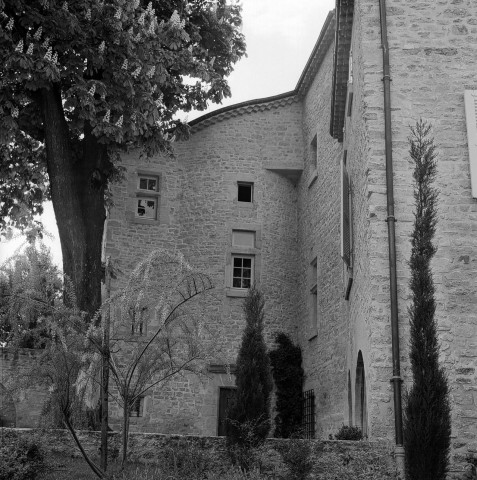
point(77, 182)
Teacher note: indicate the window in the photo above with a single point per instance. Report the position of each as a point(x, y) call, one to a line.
point(308, 414)
point(147, 193)
point(146, 208)
point(137, 321)
point(242, 274)
point(137, 407)
point(346, 233)
point(245, 192)
point(470, 102)
point(314, 294)
point(243, 258)
point(314, 151)
point(149, 183)
point(243, 238)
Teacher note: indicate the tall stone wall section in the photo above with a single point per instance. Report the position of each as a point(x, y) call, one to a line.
point(21, 401)
point(324, 340)
point(198, 211)
point(433, 51)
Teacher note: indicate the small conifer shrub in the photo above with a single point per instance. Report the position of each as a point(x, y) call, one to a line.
point(249, 417)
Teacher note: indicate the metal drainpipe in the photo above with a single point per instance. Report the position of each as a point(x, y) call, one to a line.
point(396, 378)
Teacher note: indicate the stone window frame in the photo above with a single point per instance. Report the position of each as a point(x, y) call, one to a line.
point(137, 193)
point(236, 250)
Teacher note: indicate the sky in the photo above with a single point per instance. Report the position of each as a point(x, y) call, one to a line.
point(280, 36)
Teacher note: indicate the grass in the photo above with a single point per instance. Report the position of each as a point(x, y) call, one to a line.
point(60, 467)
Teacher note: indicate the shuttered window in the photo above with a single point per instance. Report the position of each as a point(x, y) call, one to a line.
point(345, 214)
point(470, 100)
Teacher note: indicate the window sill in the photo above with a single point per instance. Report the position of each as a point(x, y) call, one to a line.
point(147, 193)
point(145, 221)
point(314, 176)
point(236, 292)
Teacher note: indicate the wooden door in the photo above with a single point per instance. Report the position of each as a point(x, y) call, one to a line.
point(226, 398)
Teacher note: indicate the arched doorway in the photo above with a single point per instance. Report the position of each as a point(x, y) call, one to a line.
point(8, 415)
point(361, 411)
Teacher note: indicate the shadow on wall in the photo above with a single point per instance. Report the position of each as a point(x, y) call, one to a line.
point(7, 409)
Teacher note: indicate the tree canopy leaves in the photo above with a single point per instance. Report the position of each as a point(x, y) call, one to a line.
point(123, 69)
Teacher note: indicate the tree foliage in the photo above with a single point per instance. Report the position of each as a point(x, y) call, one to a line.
point(427, 424)
point(157, 332)
point(249, 417)
point(287, 370)
point(83, 80)
point(29, 284)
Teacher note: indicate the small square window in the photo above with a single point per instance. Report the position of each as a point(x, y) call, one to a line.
point(146, 207)
point(245, 192)
point(243, 238)
point(242, 273)
point(149, 183)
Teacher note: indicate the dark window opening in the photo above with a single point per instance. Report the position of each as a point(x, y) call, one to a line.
point(245, 192)
point(137, 407)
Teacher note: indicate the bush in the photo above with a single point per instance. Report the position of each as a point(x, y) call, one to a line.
point(20, 458)
point(348, 432)
point(297, 457)
point(185, 460)
point(331, 465)
point(237, 474)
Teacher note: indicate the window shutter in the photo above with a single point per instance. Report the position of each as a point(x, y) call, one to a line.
point(470, 101)
point(345, 215)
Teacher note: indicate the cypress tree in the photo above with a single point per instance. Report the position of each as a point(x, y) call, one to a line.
point(427, 424)
point(288, 376)
point(249, 417)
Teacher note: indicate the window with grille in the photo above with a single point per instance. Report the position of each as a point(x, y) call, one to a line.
point(308, 414)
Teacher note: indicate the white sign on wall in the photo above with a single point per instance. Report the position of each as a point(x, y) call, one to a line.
point(470, 101)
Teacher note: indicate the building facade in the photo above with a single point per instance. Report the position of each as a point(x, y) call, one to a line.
point(256, 195)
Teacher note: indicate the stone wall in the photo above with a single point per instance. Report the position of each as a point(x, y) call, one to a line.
point(197, 213)
point(433, 51)
point(20, 401)
point(323, 340)
point(331, 459)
